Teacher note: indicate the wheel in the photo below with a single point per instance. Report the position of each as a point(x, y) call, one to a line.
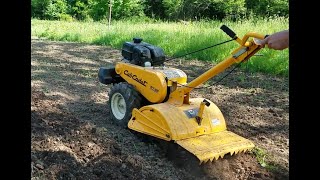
point(122, 99)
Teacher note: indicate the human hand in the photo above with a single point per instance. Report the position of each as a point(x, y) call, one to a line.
point(276, 41)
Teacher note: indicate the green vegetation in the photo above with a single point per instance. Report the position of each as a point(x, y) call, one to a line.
point(262, 156)
point(175, 38)
point(160, 9)
point(177, 26)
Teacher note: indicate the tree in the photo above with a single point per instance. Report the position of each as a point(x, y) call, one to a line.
point(197, 9)
point(120, 9)
point(79, 9)
point(38, 8)
point(267, 8)
point(154, 8)
point(48, 9)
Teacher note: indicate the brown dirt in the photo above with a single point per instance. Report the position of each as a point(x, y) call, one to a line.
point(73, 138)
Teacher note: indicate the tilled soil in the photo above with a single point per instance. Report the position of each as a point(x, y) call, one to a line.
point(72, 136)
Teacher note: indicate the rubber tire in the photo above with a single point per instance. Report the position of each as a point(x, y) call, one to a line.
point(130, 97)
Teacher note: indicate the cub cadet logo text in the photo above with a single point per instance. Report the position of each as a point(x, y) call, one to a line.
point(134, 77)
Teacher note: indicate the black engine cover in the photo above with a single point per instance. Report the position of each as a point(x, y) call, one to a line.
point(139, 53)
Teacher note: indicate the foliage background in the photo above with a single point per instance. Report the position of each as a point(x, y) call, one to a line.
point(169, 10)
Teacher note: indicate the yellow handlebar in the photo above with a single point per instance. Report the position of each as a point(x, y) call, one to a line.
point(243, 41)
point(245, 51)
point(250, 34)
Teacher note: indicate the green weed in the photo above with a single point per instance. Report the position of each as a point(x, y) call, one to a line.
point(262, 157)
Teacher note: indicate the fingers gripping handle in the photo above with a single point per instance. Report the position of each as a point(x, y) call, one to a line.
point(258, 41)
point(228, 31)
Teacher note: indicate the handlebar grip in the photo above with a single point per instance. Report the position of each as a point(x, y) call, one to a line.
point(228, 31)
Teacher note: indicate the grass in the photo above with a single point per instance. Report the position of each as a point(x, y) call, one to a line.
point(174, 38)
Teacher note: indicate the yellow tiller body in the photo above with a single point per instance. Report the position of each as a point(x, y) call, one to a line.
point(196, 124)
